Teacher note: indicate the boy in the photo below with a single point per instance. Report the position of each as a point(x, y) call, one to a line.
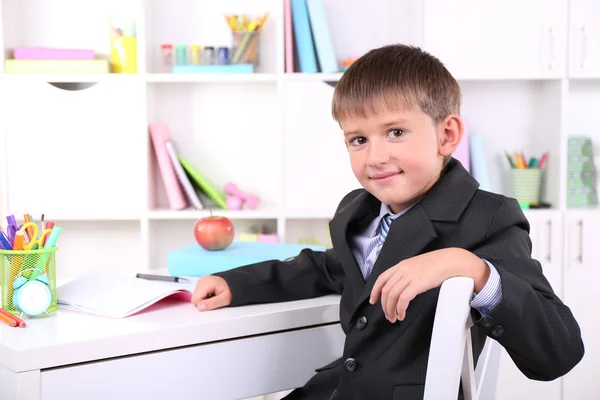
point(419, 220)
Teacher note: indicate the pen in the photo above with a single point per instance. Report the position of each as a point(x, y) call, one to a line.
point(159, 277)
point(18, 320)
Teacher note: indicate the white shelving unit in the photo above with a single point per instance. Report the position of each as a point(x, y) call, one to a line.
point(530, 74)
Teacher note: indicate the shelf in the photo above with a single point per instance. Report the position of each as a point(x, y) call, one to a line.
point(313, 77)
point(234, 78)
point(86, 218)
point(190, 214)
point(72, 78)
point(150, 78)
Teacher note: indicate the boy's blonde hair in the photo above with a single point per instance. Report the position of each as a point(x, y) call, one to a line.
point(396, 77)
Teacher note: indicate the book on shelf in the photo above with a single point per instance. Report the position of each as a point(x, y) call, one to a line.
point(184, 183)
point(308, 44)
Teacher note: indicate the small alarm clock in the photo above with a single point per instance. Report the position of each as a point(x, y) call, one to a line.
point(32, 296)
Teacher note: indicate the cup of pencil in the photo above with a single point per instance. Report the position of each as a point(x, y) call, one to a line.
point(245, 33)
point(526, 177)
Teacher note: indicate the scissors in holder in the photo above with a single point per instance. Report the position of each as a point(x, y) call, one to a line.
point(34, 238)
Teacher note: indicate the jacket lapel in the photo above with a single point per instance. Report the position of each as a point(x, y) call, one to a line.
point(359, 211)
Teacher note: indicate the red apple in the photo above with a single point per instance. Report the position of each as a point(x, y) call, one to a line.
point(214, 232)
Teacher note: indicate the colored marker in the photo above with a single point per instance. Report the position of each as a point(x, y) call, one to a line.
point(19, 241)
point(543, 160)
point(49, 225)
point(5, 242)
point(51, 243)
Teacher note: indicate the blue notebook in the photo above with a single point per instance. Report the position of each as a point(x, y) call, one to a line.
point(195, 261)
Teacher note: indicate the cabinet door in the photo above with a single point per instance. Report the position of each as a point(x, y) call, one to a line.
point(546, 238)
point(75, 154)
point(581, 295)
point(584, 57)
point(508, 39)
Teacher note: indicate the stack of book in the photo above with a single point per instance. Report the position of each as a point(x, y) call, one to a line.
point(581, 173)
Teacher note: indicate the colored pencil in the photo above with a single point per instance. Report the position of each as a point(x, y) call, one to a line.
point(7, 320)
point(18, 320)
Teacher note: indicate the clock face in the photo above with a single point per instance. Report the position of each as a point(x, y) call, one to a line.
point(34, 298)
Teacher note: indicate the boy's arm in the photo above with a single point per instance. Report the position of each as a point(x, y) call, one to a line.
point(310, 274)
point(537, 330)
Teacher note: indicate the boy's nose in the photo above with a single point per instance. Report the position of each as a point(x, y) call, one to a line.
point(377, 154)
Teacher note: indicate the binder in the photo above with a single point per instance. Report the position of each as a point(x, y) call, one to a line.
point(160, 135)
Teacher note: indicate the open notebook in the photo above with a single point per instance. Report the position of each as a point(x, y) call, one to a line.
point(118, 295)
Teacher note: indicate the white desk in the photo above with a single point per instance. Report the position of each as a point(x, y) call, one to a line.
point(171, 351)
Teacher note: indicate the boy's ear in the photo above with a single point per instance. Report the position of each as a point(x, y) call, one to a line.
point(451, 133)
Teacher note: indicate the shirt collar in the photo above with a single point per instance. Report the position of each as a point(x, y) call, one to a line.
point(385, 209)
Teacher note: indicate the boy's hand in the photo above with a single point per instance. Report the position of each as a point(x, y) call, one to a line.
point(401, 283)
point(211, 292)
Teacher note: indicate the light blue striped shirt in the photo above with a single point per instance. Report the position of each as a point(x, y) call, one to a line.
point(365, 248)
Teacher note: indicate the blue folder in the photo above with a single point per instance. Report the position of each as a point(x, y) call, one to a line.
point(194, 261)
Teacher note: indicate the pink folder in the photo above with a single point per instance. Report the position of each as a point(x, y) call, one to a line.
point(289, 39)
point(160, 135)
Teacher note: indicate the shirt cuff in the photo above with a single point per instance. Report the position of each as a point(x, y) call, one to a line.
point(490, 295)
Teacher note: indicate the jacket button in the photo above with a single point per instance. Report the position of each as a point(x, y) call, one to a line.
point(351, 365)
point(361, 323)
point(486, 322)
point(498, 330)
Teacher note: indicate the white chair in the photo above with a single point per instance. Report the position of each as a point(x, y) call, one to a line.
point(451, 353)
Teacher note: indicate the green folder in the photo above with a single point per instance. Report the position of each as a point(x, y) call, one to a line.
point(203, 183)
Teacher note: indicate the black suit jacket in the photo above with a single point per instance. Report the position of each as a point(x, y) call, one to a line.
point(389, 361)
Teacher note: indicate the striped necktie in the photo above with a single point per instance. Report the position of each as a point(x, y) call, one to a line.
point(384, 228)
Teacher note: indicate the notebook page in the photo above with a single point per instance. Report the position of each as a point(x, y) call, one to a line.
point(114, 295)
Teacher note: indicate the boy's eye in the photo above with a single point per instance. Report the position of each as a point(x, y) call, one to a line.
point(395, 133)
point(357, 141)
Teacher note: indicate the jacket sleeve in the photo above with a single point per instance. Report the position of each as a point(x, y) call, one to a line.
point(537, 330)
point(310, 274)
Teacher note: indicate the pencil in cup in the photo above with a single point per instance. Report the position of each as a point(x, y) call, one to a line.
point(245, 47)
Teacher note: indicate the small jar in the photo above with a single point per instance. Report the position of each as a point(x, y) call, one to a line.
point(166, 55)
point(223, 55)
point(181, 54)
point(195, 56)
point(209, 55)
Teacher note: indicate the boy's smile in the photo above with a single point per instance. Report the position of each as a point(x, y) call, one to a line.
point(398, 155)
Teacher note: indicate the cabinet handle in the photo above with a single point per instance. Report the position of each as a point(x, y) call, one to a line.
point(580, 257)
point(549, 255)
point(584, 50)
point(552, 49)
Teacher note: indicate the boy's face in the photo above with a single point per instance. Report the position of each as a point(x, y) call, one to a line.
point(398, 155)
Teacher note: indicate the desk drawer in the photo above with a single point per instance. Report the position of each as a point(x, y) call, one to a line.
point(224, 370)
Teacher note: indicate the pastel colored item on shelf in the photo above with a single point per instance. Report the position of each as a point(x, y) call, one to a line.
point(235, 192)
point(52, 53)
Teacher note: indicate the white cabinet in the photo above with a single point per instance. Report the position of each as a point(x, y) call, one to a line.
point(511, 39)
point(581, 288)
point(584, 57)
point(546, 237)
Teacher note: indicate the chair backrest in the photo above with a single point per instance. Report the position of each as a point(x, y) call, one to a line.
point(451, 352)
